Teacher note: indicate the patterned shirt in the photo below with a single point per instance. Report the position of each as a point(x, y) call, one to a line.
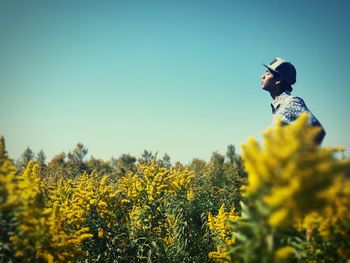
point(288, 108)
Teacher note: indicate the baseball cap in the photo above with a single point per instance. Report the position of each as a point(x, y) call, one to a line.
point(284, 69)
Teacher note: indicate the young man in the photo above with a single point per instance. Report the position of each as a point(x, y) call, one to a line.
point(278, 80)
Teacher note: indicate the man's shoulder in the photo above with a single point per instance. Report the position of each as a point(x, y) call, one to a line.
point(293, 105)
point(294, 100)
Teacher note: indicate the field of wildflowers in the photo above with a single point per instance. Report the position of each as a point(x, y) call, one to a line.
point(285, 200)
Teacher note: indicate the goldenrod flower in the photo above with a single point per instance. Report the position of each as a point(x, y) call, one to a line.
point(100, 233)
point(284, 252)
point(219, 224)
point(289, 171)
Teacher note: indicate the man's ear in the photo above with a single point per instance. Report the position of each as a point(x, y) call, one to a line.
point(278, 82)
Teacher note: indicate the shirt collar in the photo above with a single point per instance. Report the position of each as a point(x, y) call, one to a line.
point(278, 100)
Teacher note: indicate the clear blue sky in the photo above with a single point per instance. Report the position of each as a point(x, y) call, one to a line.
point(181, 77)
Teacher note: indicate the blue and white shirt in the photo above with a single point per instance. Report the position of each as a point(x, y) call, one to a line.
point(288, 108)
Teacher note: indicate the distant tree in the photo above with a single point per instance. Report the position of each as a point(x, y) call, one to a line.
point(216, 165)
point(167, 160)
point(58, 160)
point(75, 160)
point(23, 160)
point(28, 155)
point(125, 163)
point(78, 154)
point(231, 153)
point(41, 159)
point(232, 164)
point(101, 167)
point(57, 166)
point(235, 174)
point(198, 166)
point(3, 152)
point(146, 157)
point(219, 181)
point(234, 161)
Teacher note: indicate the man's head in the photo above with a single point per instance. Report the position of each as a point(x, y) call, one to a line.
point(280, 74)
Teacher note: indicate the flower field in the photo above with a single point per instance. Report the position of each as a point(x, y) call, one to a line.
point(284, 200)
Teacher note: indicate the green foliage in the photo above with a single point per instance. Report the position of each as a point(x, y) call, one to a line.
point(168, 225)
point(101, 167)
point(219, 181)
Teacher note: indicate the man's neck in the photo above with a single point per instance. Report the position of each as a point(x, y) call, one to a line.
point(275, 93)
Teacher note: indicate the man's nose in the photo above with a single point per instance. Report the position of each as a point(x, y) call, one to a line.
point(263, 76)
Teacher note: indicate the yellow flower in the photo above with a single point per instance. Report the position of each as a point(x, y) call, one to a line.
point(168, 241)
point(135, 217)
point(100, 232)
point(220, 255)
point(289, 171)
point(190, 195)
point(125, 201)
point(219, 224)
point(284, 252)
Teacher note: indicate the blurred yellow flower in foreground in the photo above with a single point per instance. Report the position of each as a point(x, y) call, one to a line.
point(290, 171)
point(284, 252)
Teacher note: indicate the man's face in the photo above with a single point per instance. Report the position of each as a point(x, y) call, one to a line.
point(268, 81)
